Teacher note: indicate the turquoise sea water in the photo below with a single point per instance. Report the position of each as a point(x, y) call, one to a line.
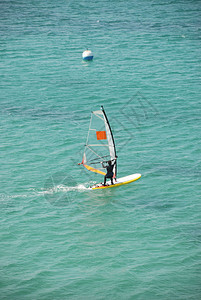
point(59, 240)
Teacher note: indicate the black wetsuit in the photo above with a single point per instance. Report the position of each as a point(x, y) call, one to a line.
point(109, 174)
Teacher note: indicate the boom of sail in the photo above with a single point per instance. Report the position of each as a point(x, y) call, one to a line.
point(100, 146)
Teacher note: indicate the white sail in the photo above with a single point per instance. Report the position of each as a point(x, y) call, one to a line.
point(100, 146)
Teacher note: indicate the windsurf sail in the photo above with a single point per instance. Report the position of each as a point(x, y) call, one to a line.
point(100, 146)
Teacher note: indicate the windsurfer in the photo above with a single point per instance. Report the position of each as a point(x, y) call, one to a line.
point(109, 167)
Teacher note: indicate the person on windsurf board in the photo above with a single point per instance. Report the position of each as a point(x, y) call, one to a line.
point(110, 173)
point(99, 149)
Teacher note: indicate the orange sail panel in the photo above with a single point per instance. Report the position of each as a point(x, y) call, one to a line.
point(94, 170)
point(101, 135)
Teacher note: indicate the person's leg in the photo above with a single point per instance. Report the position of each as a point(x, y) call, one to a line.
point(104, 180)
point(112, 180)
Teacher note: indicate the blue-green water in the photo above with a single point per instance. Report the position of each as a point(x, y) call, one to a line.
point(59, 240)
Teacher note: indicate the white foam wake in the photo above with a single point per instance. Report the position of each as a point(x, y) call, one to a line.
point(63, 188)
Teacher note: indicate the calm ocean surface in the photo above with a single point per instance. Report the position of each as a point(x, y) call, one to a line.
point(59, 240)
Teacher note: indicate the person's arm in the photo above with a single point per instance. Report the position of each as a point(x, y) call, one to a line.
point(114, 160)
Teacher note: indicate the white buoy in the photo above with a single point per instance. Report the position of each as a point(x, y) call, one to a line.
point(87, 55)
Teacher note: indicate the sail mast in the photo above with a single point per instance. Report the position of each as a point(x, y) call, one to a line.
point(112, 147)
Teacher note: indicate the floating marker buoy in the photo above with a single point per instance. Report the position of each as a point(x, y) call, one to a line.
point(87, 55)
